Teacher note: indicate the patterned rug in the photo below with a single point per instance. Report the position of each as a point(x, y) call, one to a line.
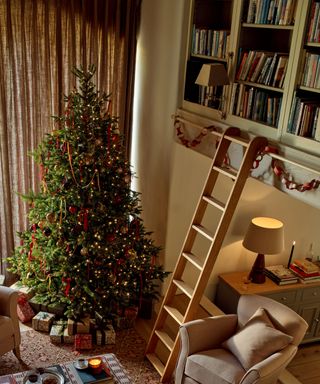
point(38, 351)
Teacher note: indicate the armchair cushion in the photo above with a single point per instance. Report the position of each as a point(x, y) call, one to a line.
point(217, 364)
point(256, 340)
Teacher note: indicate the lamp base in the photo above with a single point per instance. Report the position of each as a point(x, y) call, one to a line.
point(256, 274)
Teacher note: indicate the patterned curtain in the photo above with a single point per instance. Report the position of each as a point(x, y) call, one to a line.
point(40, 42)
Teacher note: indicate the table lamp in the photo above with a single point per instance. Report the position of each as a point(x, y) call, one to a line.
point(264, 236)
point(213, 75)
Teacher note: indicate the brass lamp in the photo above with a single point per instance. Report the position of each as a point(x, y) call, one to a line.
point(213, 75)
point(265, 235)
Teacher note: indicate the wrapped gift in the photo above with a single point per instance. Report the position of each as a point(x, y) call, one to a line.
point(57, 332)
point(127, 319)
point(67, 338)
point(82, 326)
point(43, 321)
point(83, 341)
point(106, 336)
point(18, 286)
point(24, 310)
point(39, 305)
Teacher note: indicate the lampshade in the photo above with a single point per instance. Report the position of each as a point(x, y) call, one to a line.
point(264, 236)
point(212, 75)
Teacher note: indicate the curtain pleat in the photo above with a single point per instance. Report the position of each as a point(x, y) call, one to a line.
point(40, 42)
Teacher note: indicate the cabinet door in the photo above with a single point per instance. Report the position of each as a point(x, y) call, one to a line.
point(310, 312)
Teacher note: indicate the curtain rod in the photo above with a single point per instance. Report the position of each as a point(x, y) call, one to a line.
point(273, 155)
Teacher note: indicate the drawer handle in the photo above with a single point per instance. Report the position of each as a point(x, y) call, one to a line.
point(314, 293)
point(283, 298)
point(316, 320)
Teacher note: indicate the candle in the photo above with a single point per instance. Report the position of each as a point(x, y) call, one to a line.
point(291, 253)
point(95, 365)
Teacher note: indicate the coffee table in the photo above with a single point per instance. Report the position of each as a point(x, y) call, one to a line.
point(70, 372)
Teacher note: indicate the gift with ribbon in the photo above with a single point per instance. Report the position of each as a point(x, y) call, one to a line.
point(106, 336)
point(82, 326)
point(24, 310)
point(43, 321)
point(82, 341)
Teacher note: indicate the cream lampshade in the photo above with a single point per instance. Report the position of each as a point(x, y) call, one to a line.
point(212, 75)
point(265, 235)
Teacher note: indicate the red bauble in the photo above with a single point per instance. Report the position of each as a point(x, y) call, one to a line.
point(72, 209)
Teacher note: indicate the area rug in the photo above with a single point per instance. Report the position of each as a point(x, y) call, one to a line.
point(38, 351)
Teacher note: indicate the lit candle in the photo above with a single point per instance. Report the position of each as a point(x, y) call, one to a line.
point(291, 253)
point(95, 365)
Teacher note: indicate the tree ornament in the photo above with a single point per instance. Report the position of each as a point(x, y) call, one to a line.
point(72, 209)
point(84, 251)
point(50, 217)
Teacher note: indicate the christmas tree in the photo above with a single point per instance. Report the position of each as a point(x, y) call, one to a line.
point(86, 247)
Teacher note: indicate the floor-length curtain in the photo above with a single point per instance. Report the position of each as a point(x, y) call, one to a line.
point(40, 42)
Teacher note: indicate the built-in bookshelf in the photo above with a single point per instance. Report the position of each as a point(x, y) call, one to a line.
point(271, 50)
point(304, 119)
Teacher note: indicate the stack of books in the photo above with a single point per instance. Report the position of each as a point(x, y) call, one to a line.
point(280, 274)
point(305, 270)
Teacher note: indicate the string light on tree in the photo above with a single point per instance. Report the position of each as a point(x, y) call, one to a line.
point(97, 254)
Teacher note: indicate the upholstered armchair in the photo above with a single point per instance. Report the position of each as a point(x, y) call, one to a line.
point(9, 324)
point(253, 346)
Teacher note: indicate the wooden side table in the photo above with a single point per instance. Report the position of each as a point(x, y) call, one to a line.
point(302, 298)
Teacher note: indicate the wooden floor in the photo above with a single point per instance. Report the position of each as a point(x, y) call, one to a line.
point(305, 366)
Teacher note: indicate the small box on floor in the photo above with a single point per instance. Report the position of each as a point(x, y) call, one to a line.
point(24, 310)
point(106, 336)
point(43, 321)
point(82, 326)
point(59, 333)
point(82, 341)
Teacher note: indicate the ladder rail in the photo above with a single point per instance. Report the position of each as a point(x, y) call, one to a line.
point(187, 245)
point(204, 268)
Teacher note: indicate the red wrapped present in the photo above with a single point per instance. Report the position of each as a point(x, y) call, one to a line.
point(83, 341)
point(24, 310)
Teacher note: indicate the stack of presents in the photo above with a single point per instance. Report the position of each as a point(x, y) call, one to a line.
point(83, 334)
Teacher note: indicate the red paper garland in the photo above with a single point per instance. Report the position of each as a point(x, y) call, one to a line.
point(283, 176)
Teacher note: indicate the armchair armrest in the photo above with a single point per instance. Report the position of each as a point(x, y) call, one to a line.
point(201, 335)
point(8, 302)
point(270, 367)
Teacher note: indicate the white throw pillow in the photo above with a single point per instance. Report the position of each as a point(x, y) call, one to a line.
point(256, 340)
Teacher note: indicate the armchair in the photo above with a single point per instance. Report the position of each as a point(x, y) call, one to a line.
point(9, 324)
point(253, 346)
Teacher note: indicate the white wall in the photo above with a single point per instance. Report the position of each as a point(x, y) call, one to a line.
point(170, 176)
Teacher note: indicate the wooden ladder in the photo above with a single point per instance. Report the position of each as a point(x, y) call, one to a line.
point(163, 346)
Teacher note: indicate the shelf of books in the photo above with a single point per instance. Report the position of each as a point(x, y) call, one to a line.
point(304, 120)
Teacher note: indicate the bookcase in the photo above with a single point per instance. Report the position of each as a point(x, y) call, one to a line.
point(271, 50)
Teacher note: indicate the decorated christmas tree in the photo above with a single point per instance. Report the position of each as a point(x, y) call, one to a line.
point(86, 247)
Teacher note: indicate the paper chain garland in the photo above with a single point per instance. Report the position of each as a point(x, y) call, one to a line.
point(285, 178)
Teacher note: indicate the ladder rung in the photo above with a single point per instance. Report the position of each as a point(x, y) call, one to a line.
point(215, 202)
point(228, 171)
point(166, 339)
point(205, 232)
point(238, 140)
point(185, 288)
point(156, 362)
point(175, 314)
point(193, 259)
